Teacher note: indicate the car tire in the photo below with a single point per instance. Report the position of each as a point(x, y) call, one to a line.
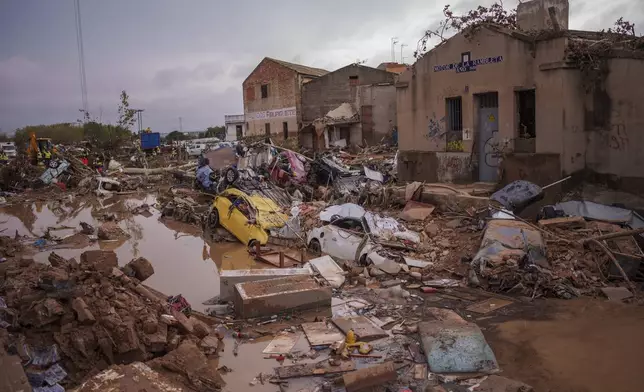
point(53, 163)
point(213, 218)
point(231, 175)
point(252, 244)
point(315, 247)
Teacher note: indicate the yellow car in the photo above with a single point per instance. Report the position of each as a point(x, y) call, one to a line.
point(247, 217)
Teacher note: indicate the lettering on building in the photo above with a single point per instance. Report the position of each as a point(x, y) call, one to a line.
point(271, 114)
point(468, 66)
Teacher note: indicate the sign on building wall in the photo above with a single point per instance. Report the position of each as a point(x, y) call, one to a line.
point(468, 66)
point(271, 114)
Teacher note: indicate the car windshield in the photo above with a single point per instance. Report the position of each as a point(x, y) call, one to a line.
point(8, 148)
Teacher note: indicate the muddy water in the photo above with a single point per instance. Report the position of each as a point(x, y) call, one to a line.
point(583, 345)
point(183, 261)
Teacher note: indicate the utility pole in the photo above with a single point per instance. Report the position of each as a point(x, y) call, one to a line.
point(394, 41)
point(401, 51)
point(139, 118)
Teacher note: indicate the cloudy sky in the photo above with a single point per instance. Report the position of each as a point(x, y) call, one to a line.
point(188, 58)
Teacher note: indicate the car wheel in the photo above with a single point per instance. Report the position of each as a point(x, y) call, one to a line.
point(315, 247)
point(213, 218)
point(252, 244)
point(53, 163)
point(231, 175)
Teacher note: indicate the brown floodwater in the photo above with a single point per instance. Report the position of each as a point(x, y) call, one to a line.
point(184, 263)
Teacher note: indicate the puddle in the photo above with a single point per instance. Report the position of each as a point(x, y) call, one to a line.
point(184, 263)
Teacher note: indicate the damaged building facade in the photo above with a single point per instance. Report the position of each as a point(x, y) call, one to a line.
point(352, 105)
point(500, 105)
point(273, 96)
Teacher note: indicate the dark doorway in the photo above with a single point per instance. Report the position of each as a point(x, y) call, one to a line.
point(239, 130)
point(526, 121)
point(267, 129)
point(488, 128)
point(285, 129)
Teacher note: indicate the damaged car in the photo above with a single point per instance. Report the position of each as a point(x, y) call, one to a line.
point(246, 217)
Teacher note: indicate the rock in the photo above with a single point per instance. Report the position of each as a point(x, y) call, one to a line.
point(454, 223)
point(102, 260)
point(189, 362)
point(83, 313)
point(431, 229)
point(111, 231)
point(444, 243)
point(157, 342)
point(87, 229)
point(209, 345)
point(126, 338)
point(415, 275)
point(139, 268)
point(200, 329)
point(374, 271)
point(369, 377)
point(57, 261)
point(43, 313)
point(150, 324)
point(385, 264)
point(184, 323)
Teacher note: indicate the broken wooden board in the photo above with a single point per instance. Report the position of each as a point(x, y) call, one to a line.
point(568, 222)
point(281, 344)
point(616, 293)
point(415, 210)
point(420, 371)
point(487, 306)
point(322, 334)
point(314, 369)
point(364, 329)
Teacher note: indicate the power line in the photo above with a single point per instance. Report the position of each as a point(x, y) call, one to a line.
point(81, 55)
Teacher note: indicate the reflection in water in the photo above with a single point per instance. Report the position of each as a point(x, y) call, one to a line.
point(184, 262)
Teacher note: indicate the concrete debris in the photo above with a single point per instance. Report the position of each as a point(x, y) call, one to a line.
point(370, 377)
point(229, 278)
point(112, 232)
point(139, 268)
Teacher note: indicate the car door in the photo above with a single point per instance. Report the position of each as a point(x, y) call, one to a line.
point(342, 238)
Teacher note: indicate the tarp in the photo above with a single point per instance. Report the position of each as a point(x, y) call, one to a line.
point(388, 228)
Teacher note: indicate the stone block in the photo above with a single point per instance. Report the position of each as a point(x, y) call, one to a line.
point(139, 268)
point(199, 328)
point(229, 278)
point(268, 297)
point(156, 342)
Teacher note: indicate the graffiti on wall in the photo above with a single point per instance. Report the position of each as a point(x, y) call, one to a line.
point(615, 138)
point(435, 128)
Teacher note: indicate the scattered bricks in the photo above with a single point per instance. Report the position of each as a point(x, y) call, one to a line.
point(139, 268)
point(102, 260)
point(229, 278)
point(157, 341)
point(184, 323)
point(116, 273)
point(146, 293)
point(150, 324)
point(125, 337)
point(268, 297)
point(209, 345)
point(43, 313)
point(199, 328)
point(83, 313)
point(370, 377)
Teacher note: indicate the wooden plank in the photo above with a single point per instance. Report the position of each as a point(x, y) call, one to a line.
point(568, 222)
point(322, 334)
point(314, 369)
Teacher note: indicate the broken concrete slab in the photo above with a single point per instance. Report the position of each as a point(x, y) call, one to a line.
point(370, 377)
point(422, 264)
point(321, 333)
point(139, 268)
point(414, 211)
point(103, 260)
point(282, 344)
point(617, 294)
point(209, 345)
point(229, 278)
point(190, 363)
point(364, 329)
point(384, 263)
point(329, 269)
point(111, 231)
point(456, 347)
point(268, 297)
point(134, 377)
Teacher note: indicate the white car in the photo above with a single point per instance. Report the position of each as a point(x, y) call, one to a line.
point(194, 150)
point(343, 238)
point(9, 149)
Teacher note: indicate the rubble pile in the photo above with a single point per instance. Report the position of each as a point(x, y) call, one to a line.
point(84, 317)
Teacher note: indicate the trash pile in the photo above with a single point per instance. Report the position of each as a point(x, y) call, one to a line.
point(69, 320)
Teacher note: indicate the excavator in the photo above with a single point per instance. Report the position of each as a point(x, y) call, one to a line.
point(37, 146)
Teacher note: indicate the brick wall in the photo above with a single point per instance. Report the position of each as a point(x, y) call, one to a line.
point(283, 92)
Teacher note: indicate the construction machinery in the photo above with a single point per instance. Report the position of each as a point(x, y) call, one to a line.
point(37, 145)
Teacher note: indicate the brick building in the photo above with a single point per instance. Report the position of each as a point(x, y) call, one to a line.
point(272, 97)
point(351, 105)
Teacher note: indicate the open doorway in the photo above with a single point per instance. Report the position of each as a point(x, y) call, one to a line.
point(526, 121)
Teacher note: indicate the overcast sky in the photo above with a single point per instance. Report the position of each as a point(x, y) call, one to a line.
point(188, 58)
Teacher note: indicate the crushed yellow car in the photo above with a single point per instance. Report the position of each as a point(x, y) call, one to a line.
point(246, 217)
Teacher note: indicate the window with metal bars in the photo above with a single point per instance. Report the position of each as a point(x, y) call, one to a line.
point(454, 119)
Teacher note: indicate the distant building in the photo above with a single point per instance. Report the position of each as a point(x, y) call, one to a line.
point(352, 105)
point(272, 97)
point(393, 67)
point(235, 127)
